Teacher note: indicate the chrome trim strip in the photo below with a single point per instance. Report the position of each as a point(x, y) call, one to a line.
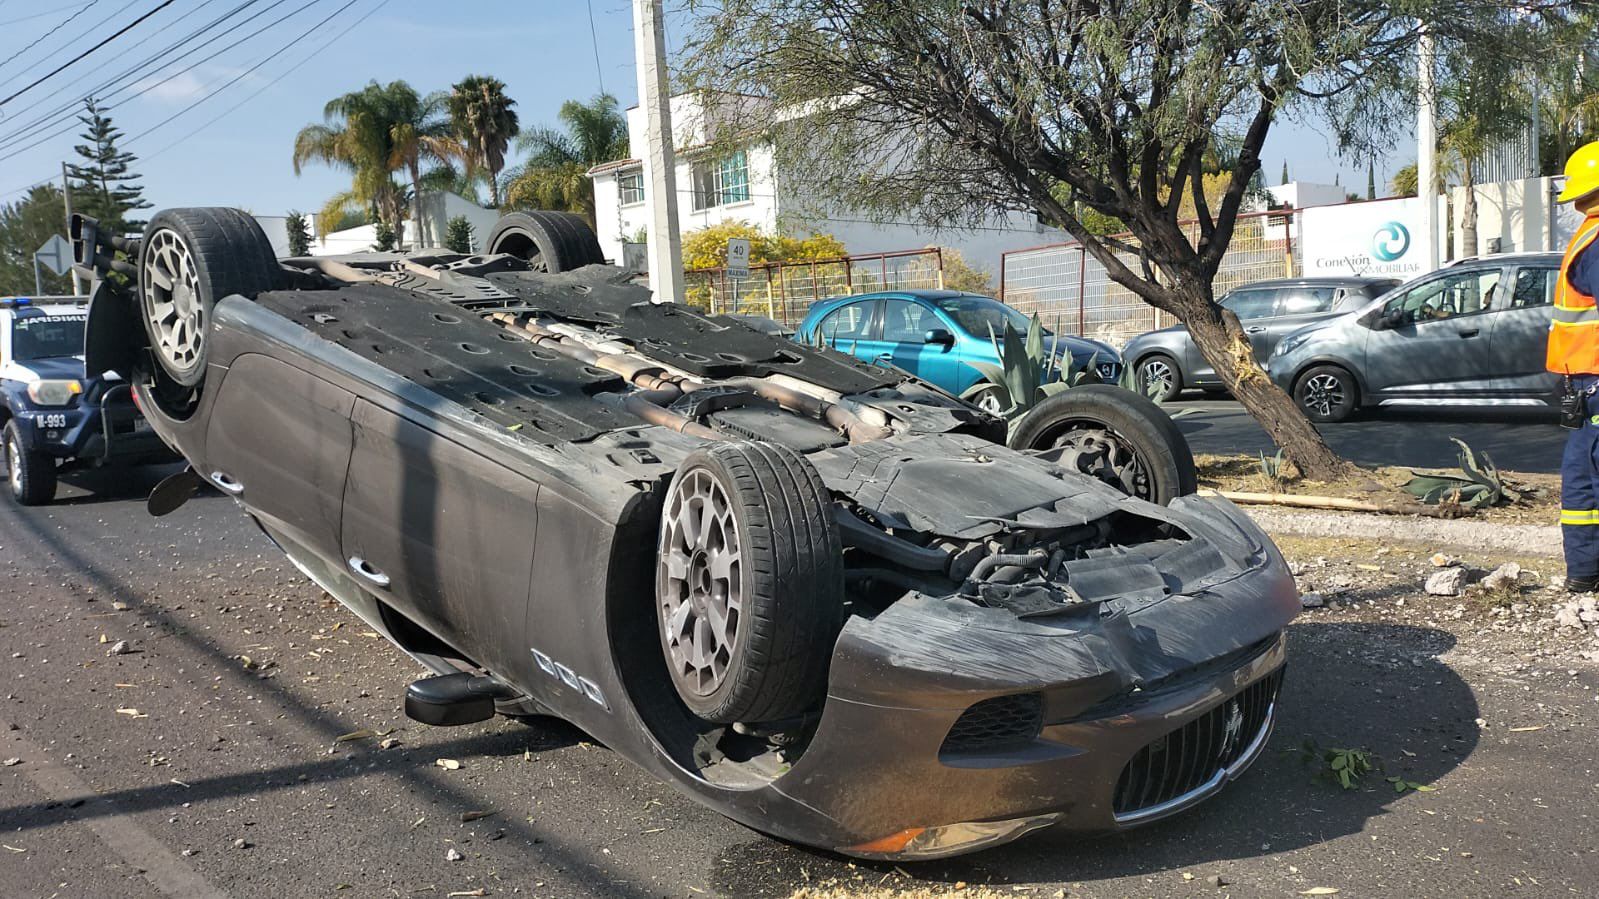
point(1209, 787)
point(1461, 401)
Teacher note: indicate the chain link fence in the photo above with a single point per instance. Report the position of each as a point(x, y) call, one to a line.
point(784, 291)
point(1070, 288)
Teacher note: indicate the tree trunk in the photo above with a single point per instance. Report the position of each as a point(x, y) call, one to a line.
point(1468, 212)
point(1224, 345)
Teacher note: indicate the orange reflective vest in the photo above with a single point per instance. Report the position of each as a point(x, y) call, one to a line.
point(1574, 333)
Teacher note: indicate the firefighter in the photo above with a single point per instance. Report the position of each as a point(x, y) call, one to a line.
point(1574, 354)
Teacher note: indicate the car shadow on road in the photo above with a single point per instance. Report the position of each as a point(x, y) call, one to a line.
point(1376, 687)
point(99, 485)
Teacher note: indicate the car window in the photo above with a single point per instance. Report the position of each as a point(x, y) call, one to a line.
point(1534, 287)
point(906, 322)
point(1248, 304)
point(1455, 294)
point(848, 323)
point(1306, 300)
point(45, 336)
point(981, 316)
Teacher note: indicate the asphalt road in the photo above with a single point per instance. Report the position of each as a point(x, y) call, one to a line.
point(138, 772)
point(1516, 439)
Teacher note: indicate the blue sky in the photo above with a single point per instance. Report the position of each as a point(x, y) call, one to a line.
point(542, 50)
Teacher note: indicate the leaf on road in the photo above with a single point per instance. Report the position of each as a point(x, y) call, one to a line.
point(447, 764)
point(132, 713)
point(362, 734)
point(474, 816)
point(1320, 891)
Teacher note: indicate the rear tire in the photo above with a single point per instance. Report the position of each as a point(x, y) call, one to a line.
point(1116, 435)
point(749, 583)
point(549, 241)
point(1159, 378)
point(31, 475)
point(189, 259)
point(1327, 393)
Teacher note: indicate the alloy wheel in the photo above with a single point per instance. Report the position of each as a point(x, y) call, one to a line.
point(13, 470)
point(170, 285)
point(1155, 378)
point(702, 594)
point(1322, 394)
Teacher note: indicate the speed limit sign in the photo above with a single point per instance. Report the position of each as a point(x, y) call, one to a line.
point(738, 258)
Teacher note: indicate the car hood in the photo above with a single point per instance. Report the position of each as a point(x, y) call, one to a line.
point(1081, 348)
point(48, 368)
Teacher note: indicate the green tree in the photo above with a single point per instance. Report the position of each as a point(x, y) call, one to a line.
point(458, 235)
point(299, 233)
point(374, 133)
point(383, 237)
point(956, 110)
point(555, 174)
point(1371, 180)
point(24, 227)
point(103, 184)
point(482, 120)
point(1285, 173)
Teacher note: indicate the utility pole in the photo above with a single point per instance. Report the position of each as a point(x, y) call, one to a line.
point(1427, 148)
point(66, 198)
point(660, 163)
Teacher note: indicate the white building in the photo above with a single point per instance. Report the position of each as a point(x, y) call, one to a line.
point(438, 207)
point(745, 185)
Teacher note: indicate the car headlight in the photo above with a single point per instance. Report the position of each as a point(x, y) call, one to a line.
point(53, 393)
point(1290, 343)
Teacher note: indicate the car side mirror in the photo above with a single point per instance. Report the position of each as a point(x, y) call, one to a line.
point(939, 336)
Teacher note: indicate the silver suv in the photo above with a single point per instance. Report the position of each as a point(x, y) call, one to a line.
point(1166, 361)
point(1470, 334)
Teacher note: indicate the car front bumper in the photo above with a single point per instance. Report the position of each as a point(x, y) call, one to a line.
point(110, 430)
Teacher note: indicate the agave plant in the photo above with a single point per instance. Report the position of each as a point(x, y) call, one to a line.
point(1027, 373)
point(1480, 485)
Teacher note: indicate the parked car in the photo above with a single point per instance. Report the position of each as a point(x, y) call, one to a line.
point(818, 596)
point(1470, 334)
point(1166, 362)
point(54, 416)
point(934, 334)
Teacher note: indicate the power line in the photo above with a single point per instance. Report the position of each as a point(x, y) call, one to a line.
point(40, 39)
point(259, 91)
point(122, 80)
point(40, 15)
point(594, 39)
point(59, 69)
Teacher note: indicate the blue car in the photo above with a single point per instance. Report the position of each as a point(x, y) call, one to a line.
point(935, 334)
point(51, 415)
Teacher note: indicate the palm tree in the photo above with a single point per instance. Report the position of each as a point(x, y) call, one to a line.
point(373, 133)
point(555, 174)
point(483, 122)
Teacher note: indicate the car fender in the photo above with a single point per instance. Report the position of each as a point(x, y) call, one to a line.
point(1342, 362)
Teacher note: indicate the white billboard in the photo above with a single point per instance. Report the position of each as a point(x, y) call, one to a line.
point(1382, 238)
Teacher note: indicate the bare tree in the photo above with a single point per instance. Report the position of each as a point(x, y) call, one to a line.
point(946, 111)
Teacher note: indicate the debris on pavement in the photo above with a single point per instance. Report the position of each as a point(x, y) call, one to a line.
point(448, 764)
point(452, 855)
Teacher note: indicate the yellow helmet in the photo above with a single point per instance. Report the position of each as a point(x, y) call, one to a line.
point(1582, 173)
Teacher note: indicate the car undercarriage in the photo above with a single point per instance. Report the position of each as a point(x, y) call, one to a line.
point(821, 597)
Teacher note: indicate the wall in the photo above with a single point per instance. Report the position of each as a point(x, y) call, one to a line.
point(1515, 212)
point(1300, 194)
point(438, 207)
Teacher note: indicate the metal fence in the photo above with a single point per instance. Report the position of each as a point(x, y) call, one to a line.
point(784, 291)
point(1062, 283)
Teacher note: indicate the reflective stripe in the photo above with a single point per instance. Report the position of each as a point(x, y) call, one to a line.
point(1587, 316)
point(1579, 516)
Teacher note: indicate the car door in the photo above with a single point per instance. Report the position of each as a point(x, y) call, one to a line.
point(443, 534)
point(1521, 334)
point(1434, 339)
point(905, 324)
point(1296, 307)
point(849, 326)
point(278, 440)
point(1253, 306)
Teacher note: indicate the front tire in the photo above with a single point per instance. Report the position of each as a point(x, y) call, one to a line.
point(189, 259)
point(1159, 378)
point(1116, 435)
point(549, 241)
point(1327, 393)
point(31, 475)
point(749, 583)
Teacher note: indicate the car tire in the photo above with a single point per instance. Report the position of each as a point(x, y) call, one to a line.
point(201, 255)
point(1327, 393)
point(1116, 435)
point(1164, 372)
point(777, 547)
point(30, 474)
point(549, 241)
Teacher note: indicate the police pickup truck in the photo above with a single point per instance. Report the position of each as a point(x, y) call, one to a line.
point(54, 417)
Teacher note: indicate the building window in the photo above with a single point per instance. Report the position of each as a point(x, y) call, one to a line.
point(722, 182)
point(631, 187)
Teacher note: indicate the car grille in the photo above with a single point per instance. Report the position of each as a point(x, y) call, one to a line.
point(998, 723)
point(1189, 757)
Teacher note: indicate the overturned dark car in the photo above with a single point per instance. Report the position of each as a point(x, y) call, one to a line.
point(820, 597)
